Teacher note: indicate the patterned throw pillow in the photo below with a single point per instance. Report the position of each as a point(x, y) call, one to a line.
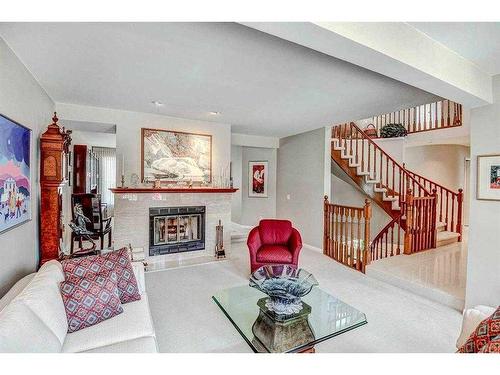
point(492, 347)
point(484, 333)
point(89, 301)
point(117, 261)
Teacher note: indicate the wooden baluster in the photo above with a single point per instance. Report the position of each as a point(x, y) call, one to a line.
point(460, 199)
point(448, 113)
point(442, 113)
point(351, 239)
point(398, 248)
point(350, 138)
point(393, 180)
point(436, 116)
point(359, 260)
point(362, 154)
point(447, 221)
point(392, 239)
point(452, 226)
point(325, 225)
point(369, 158)
point(346, 238)
point(336, 232)
point(367, 214)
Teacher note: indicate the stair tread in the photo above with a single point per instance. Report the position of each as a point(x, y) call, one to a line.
point(447, 235)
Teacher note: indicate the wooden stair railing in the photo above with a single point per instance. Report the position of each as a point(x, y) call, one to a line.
point(420, 215)
point(449, 204)
point(389, 241)
point(390, 181)
point(347, 234)
point(425, 117)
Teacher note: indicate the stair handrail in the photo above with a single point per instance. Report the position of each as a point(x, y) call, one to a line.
point(459, 202)
point(395, 163)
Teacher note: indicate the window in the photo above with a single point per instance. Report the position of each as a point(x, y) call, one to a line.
point(107, 174)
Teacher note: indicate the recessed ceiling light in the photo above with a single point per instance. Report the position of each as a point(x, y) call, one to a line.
point(214, 113)
point(157, 103)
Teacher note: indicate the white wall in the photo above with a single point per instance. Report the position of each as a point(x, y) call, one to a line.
point(483, 262)
point(255, 209)
point(23, 100)
point(443, 164)
point(301, 174)
point(236, 166)
point(128, 133)
point(93, 139)
point(345, 194)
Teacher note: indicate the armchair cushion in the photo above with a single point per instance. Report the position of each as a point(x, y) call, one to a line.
point(275, 232)
point(274, 254)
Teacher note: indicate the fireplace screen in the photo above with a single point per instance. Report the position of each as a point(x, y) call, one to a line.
point(172, 229)
point(176, 229)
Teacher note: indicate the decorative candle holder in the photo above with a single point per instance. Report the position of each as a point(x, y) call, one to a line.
point(123, 181)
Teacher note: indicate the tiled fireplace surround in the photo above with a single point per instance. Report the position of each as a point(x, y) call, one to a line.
point(131, 224)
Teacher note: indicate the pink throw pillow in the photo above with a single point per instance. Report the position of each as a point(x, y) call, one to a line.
point(117, 261)
point(89, 301)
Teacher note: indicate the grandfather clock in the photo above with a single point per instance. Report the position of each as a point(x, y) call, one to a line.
point(53, 144)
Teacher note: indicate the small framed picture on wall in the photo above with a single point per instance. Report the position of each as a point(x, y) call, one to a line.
point(488, 177)
point(257, 179)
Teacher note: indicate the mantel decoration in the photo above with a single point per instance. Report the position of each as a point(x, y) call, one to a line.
point(393, 131)
point(285, 285)
point(488, 177)
point(174, 156)
point(257, 179)
point(15, 180)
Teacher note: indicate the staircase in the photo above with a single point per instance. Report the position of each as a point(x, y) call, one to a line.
point(423, 214)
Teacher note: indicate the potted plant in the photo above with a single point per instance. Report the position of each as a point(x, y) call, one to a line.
point(393, 131)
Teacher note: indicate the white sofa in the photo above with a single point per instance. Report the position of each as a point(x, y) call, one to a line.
point(33, 319)
point(471, 319)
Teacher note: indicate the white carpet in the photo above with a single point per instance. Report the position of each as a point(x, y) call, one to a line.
point(187, 320)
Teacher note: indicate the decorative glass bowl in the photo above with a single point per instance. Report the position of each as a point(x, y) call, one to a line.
point(285, 285)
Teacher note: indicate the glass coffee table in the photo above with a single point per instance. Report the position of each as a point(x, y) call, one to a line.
point(322, 317)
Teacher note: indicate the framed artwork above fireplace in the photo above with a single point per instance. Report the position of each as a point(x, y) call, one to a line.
point(176, 156)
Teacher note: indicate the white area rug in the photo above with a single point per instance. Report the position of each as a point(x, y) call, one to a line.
point(187, 320)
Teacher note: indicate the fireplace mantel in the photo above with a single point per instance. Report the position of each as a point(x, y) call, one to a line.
point(119, 190)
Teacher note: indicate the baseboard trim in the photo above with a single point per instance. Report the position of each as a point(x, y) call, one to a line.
point(313, 248)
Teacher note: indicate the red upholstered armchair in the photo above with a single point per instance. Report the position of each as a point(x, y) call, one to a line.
point(274, 242)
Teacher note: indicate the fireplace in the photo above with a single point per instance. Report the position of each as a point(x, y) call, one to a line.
point(176, 229)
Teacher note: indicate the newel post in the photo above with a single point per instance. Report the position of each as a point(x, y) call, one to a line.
point(409, 222)
point(460, 200)
point(434, 218)
point(325, 224)
point(367, 211)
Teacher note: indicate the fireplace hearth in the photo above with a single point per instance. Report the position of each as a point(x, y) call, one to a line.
point(176, 229)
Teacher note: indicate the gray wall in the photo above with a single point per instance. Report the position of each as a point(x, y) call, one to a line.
point(23, 100)
point(248, 211)
point(301, 173)
point(483, 262)
point(441, 163)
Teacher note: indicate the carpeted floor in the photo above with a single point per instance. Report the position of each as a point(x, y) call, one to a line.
point(187, 320)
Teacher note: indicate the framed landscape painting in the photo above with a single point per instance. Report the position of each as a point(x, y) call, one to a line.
point(176, 156)
point(15, 181)
point(488, 177)
point(257, 179)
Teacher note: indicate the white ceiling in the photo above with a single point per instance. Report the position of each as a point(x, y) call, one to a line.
point(261, 84)
point(478, 42)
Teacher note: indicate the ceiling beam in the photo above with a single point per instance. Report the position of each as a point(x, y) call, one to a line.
point(396, 50)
